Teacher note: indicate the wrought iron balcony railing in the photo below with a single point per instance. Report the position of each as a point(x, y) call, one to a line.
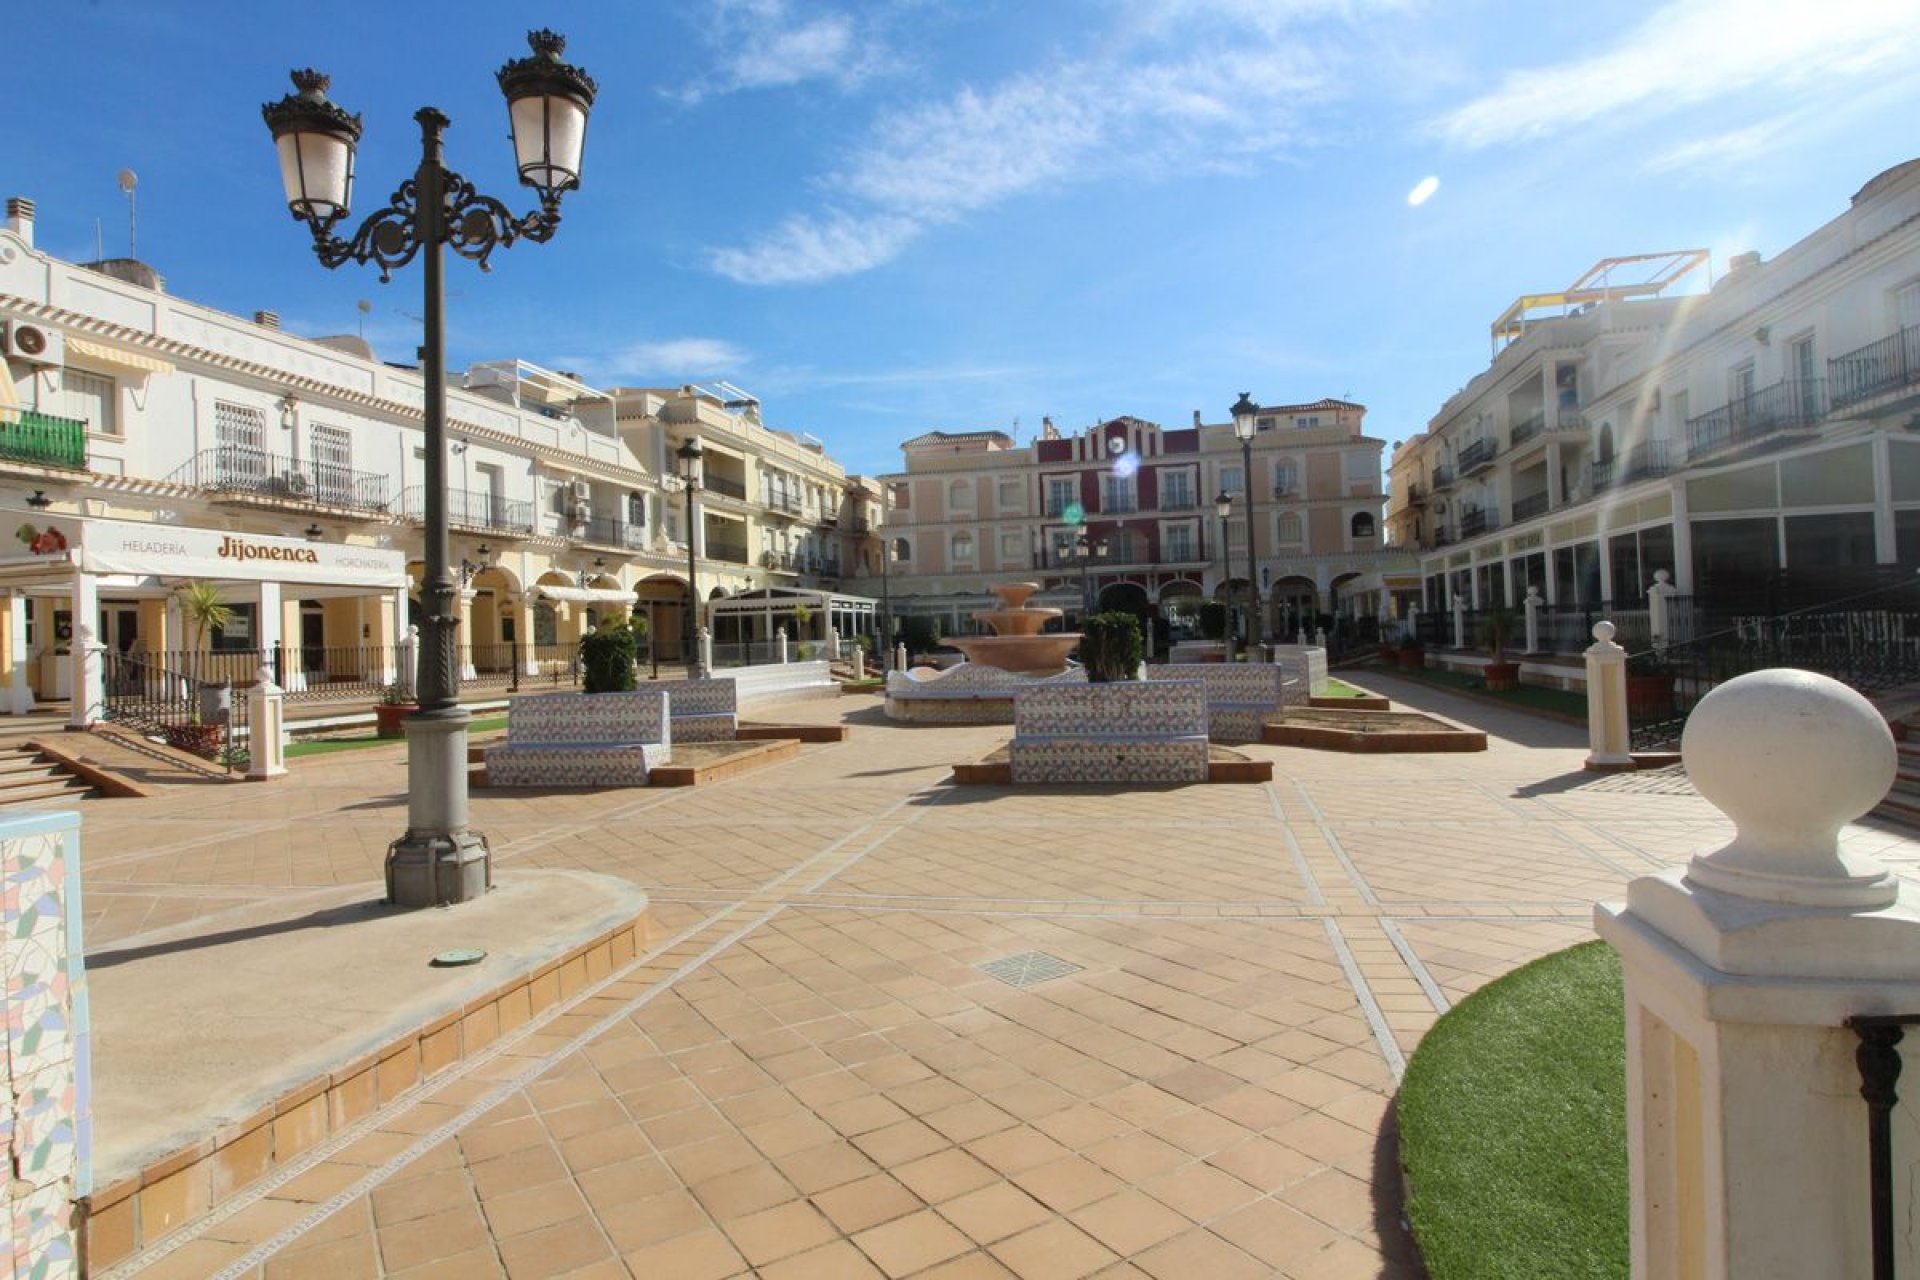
point(1527, 508)
point(1528, 427)
point(731, 552)
point(1477, 520)
point(1645, 460)
point(1442, 478)
point(243, 471)
point(469, 510)
point(611, 531)
point(1891, 364)
point(44, 440)
point(724, 487)
point(1480, 453)
point(1793, 404)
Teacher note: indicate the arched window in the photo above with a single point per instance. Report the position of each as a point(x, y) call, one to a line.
point(1362, 524)
point(962, 548)
point(1287, 528)
point(1605, 451)
point(902, 550)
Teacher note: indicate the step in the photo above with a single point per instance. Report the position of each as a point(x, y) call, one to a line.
point(1900, 809)
point(40, 772)
point(65, 788)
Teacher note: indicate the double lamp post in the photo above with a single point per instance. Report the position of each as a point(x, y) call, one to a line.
point(439, 860)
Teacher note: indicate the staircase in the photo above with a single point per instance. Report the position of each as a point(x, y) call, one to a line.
point(28, 777)
point(1902, 804)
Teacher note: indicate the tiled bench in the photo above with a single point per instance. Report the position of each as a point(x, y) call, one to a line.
point(1241, 697)
point(1118, 732)
point(582, 740)
point(700, 710)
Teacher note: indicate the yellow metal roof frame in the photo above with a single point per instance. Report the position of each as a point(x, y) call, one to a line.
point(1593, 286)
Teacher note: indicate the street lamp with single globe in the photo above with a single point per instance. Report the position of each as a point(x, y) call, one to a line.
point(1243, 427)
point(689, 454)
point(1223, 507)
point(439, 860)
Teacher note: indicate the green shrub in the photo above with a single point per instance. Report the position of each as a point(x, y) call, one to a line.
point(606, 660)
point(1110, 646)
point(1213, 619)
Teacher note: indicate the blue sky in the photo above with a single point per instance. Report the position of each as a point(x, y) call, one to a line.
point(884, 218)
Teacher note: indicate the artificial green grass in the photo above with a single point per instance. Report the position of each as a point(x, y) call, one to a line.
point(327, 746)
point(1513, 1127)
point(1341, 689)
point(1557, 702)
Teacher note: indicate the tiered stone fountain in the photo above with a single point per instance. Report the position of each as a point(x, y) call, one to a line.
point(980, 690)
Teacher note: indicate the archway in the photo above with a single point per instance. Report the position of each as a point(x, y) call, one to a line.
point(1295, 600)
point(662, 598)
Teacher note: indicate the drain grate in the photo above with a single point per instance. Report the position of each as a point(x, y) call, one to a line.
point(1028, 968)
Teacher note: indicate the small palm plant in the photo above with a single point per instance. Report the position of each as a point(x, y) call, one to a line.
point(205, 612)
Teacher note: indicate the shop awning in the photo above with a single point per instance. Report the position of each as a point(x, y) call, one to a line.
point(583, 595)
point(138, 361)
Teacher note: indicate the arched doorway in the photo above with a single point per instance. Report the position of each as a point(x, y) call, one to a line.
point(662, 600)
point(1296, 605)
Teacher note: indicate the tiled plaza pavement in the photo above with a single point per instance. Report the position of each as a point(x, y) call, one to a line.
point(813, 1077)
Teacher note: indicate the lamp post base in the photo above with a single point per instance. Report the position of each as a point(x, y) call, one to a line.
point(438, 862)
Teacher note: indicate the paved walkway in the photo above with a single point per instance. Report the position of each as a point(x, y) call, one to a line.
point(1183, 1068)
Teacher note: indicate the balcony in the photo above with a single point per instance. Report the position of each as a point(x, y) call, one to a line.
point(466, 509)
point(782, 504)
point(1569, 420)
point(1643, 461)
point(1478, 456)
point(1528, 427)
point(1442, 478)
point(731, 552)
point(1534, 504)
point(1795, 404)
point(44, 440)
point(1284, 489)
point(1475, 521)
point(1057, 507)
point(611, 531)
point(1877, 369)
point(1177, 502)
point(1117, 506)
point(861, 525)
point(724, 487)
point(1416, 495)
point(252, 475)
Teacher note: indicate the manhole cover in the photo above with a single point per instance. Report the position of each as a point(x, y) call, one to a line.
point(454, 959)
point(1028, 968)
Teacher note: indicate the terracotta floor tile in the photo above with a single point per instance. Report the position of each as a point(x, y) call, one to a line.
point(1265, 1165)
point(611, 1185)
point(972, 1266)
point(995, 1212)
point(778, 1233)
point(855, 1206)
point(635, 1224)
point(1273, 1232)
point(898, 1143)
point(1129, 1222)
point(944, 1175)
point(1016, 1150)
point(1135, 1157)
point(474, 1264)
point(1199, 1192)
point(421, 1240)
point(516, 1171)
point(912, 1243)
point(749, 1190)
point(836, 1261)
point(556, 1250)
point(823, 1167)
point(1199, 1253)
point(1065, 1185)
point(418, 1197)
point(1055, 1251)
point(518, 1212)
point(350, 1259)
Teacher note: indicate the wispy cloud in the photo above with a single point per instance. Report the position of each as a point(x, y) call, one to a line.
point(679, 358)
point(1687, 53)
point(1147, 115)
point(1722, 153)
point(763, 44)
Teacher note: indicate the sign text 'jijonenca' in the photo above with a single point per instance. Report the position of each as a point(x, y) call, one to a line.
point(232, 548)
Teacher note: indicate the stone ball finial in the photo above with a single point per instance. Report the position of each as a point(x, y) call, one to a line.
point(1662, 577)
point(1791, 757)
point(1603, 631)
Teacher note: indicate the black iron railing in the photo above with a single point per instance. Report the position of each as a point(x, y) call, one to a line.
point(1869, 640)
point(611, 531)
point(724, 487)
point(1793, 404)
point(1891, 364)
point(468, 509)
point(1442, 477)
point(246, 472)
point(1528, 427)
point(1477, 520)
point(1644, 460)
point(196, 707)
point(1534, 504)
point(44, 440)
point(1480, 453)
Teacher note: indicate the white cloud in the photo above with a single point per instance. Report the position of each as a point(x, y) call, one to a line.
point(1423, 191)
point(936, 162)
point(762, 44)
point(680, 358)
point(1689, 52)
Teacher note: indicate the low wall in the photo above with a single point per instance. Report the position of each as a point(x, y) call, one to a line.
point(46, 1106)
point(780, 680)
point(1134, 732)
point(1303, 662)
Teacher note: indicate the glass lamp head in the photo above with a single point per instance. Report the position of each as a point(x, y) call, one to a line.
point(316, 141)
point(547, 105)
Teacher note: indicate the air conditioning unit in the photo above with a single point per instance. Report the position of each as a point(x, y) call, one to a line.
point(32, 343)
point(582, 512)
point(582, 491)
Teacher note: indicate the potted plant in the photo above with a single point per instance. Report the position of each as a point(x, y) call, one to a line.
point(396, 704)
point(1495, 630)
point(1649, 685)
point(209, 703)
point(1110, 647)
point(607, 658)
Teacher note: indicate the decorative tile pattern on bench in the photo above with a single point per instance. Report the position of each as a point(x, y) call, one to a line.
point(582, 740)
point(1111, 733)
point(701, 710)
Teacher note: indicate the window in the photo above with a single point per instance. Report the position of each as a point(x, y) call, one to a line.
point(1176, 490)
point(1179, 544)
point(1361, 525)
point(1061, 494)
point(1009, 493)
point(1906, 306)
point(92, 399)
point(1266, 423)
point(1307, 420)
point(1230, 478)
point(1012, 548)
point(240, 443)
point(1286, 477)
point(637, 511)
point(962, 547)
point(959, 496)
point(331, 449)
point(1286, 528)
point(1740, 382)
point(1116, 493)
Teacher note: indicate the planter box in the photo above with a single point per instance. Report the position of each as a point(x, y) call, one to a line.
point(198, 739)
point(1502, 677)
point(387, 717)
point(1413, 659)
point(1649, 697)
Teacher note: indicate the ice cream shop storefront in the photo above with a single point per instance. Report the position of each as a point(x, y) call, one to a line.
point(91, 603)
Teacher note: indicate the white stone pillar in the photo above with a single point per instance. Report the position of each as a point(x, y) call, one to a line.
point(266, 728)
point(1459, 623)
point(833, 644)
point(405, 657)
point(900, 656)
point(780, 645)
point(465, 634)
point(269, 635)
point(1658, 594)
point(409, 663)
point(1532, 605)
point(1747, 1134)
point(1683, 535)
point(19, 691)
point(1608, 744)
point(1320, 637)
point(706, 653)
point(84, 653)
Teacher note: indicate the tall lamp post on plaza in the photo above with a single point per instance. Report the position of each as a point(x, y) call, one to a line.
point(1243, 427)
point(439, 860)
point(1223, 507)
point(689, 455)
point(1087, 550)
point(886, 601)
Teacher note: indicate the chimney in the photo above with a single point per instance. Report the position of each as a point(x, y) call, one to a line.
point(267, 319)
point(1196, 417)
point(1741, 261)
point(20, 218)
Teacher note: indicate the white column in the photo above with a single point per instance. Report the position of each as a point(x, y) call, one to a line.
point(1747, 1133)
point(1459, 623)
point(1885, 542)
point(266, 728)
point(400, 628)
point(1658, 594)
point(84, 654)
point(1532, 604)
point(19, 692)
point(1607, 739)
point(780, 645)
point(706, 653)
point(269, 637)
point(1683, 536)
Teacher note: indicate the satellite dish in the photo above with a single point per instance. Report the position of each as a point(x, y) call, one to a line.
point(363, 306)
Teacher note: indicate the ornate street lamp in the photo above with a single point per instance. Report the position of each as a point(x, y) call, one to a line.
point(1243, 427)
point(1088, 551)
point(886, 603)
point(1223, 507)
point(439, 860)
point(689, 455)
